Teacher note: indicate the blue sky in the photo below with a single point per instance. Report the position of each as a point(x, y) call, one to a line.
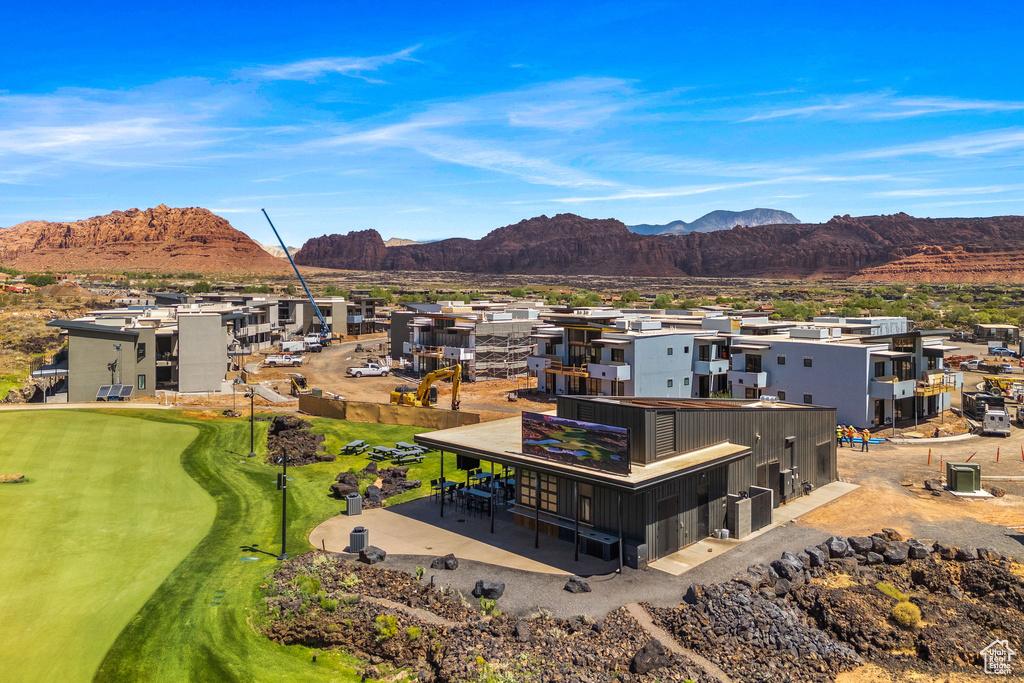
point(429, 120)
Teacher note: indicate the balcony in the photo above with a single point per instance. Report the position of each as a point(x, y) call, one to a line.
point(458, 354)
point(540, 363)
point(892, 388)
point(711, 367)
point(614, 370)
point(429, 351)
point(353, 319)
point(939, 382)
point(254, 329)
point(748, 379)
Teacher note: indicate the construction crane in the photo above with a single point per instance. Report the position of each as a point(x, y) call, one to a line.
point(325, 329)
point(420, 396)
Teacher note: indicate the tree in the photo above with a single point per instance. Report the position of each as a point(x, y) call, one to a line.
point(663, 301)
point(202, 286)
point(517, 292)
point(290, 289)
point(630, 295)
point(40, 280)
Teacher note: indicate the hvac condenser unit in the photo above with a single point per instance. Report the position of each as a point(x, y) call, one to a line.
point(963, 477)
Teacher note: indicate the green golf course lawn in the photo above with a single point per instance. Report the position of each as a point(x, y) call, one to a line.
point(172, 592)
point(107, 514)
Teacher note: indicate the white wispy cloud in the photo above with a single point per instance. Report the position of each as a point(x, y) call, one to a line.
point(356, 67)
point(883, 106)
point(972, 144)
point(948, 191)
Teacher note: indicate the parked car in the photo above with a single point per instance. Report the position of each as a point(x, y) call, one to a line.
point(281, 360)
point(1005, 367)
point(1003, 351)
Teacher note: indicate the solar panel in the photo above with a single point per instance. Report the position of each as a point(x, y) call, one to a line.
point(103, 392)
point(126, 390)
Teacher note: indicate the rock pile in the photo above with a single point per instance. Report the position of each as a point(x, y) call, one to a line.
point(29, 393)
point(292, 435)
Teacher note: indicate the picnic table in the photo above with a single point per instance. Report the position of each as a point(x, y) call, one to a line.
point(402, 457)
point(408, 446)
point(382, 453)
point(353, 446)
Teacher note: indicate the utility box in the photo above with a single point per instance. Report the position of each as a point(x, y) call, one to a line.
point(963, 477)
point(635, 554)
point(358, 539)
point(786, 484)
point(353, 504)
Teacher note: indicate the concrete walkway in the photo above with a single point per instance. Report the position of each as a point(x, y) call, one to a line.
point(684, 560)
point(417, 528)
point(98, 405)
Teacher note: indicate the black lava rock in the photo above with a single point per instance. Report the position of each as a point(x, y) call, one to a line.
point(449, 562)
point(491, 590)
point(648, 658)
point(577, 585)
point(371, 554)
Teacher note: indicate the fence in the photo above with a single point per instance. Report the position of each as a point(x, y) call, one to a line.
point(760, 507)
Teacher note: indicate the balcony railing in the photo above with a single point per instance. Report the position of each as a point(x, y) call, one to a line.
point(748, 379)
point(615, 370)
point(711, 367)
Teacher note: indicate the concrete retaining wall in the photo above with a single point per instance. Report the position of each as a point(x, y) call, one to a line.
point(385, 413)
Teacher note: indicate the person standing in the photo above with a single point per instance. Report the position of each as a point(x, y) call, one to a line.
point(865, 435)
point(839, 436)
point(850, 434)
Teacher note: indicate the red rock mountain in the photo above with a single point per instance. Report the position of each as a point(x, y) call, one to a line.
point(896, 247)
point(159, 240)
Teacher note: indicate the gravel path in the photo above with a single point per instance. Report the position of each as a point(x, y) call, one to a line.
point(666, 639)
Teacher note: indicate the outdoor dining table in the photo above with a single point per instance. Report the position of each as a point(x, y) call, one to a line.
point(408, 446)
point(353, 446)
point(384, 449)
point(482, 496)
point(480, 476)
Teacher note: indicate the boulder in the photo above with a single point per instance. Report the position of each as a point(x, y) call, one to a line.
point(490, 590)
point(374, 494)
point(371, 554)
point(817, 557)
point(347, 478)
point(648, 658)
point(989, 554)
point(933, 485)
point(522, 630)
point(997, 491)
point(782, 587)
point(577, 585)
point(838, 547)
point(966, 554)
point(918, 551)
point(860, 544)
point(946, 552)
point(371, 468)
point(897, 553)
point(805, 559)
point(891, 534)
point(788, 567)
point(879, 544)
point(449, 562)
point(873, 558)
point(340, 490)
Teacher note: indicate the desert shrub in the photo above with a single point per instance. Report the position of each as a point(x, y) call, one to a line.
point(306, 585)
point(892, 591)
point(386, 627)
point(350, 581)
point(489, 606)
point(420, 571)
point(906, 615)
point(328, 605)
point(414, 633)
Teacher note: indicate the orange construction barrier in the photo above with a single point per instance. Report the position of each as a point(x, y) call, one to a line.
point(972, 455)
point(997, 454)
point(929, 456)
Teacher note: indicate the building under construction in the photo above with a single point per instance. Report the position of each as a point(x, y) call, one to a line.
point(490, 344)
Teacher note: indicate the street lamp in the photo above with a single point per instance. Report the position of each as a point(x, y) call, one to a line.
point(282, 484)
point(251, 395)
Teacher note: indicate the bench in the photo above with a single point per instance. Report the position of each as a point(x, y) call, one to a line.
point(377, 456)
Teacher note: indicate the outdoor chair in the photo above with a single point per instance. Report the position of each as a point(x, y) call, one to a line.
point(435, 487)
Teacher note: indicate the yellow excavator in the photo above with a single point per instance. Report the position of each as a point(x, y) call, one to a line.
point(421, 396)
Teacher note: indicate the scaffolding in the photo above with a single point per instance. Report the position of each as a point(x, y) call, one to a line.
point(502, 356)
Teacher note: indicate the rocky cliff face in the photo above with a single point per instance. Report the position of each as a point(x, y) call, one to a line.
point(870, 246)
point(161, 239)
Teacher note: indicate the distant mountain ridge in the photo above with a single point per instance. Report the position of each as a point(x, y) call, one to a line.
point(275, 250)
point(894, 247)
point(719, 220)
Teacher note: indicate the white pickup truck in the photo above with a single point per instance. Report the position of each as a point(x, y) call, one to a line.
point(369, 370)
point(279, 360)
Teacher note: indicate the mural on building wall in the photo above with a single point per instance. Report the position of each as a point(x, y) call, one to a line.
point(576, 443)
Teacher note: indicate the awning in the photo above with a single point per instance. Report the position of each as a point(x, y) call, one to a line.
point(892, 354)
point(618, 342)
point(547, 335)
point(942, 347)
point(750, 347)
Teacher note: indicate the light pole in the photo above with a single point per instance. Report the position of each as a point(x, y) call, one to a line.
point(251, 394)
point(282, 483)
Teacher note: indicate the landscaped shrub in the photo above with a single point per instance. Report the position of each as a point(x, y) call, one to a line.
point(892, 591)
point(489, 606)
point(350, 581)
point(386, 627)
point(306, 585)
point(906, 615)
point(328, 605)
point(413, 633)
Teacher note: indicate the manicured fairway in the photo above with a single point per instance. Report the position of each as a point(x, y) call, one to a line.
point(108, 513)
point(199, 625)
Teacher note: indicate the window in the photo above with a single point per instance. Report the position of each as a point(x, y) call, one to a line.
point(670, 381)
point(808, 399)
point(141, 382)
point(686, 349)
point(586, 503)
point(780, 359)
point(782, 395)
point(686, 381)
point(808, 361)
point(618, 355)
point(548, 491)
point(670, 351)
point(704, 352)
point(879, 368)
point(140, 351)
